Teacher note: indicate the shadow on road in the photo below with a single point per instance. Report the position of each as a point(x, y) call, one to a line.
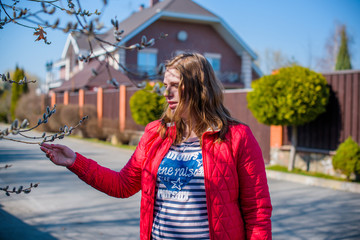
point(304, 212)
point(12, 228)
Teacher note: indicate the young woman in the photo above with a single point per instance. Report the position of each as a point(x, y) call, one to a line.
point(201, 172)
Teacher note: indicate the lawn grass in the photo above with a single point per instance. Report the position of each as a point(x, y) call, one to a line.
point(302, 172)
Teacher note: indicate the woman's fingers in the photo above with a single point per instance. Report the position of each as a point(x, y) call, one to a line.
point(45, 150)
point(48, 150)
point(59, 154)
point(53, 147)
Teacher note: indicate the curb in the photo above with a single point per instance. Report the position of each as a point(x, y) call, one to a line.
point(314, 181)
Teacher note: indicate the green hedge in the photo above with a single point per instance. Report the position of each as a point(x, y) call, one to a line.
point(147, 105)
point(293, 96)
point(347, 158)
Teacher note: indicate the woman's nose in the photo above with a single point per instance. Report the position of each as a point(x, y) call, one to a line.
point(166, 92)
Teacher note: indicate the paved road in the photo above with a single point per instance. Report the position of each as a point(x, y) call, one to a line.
point(63, 207)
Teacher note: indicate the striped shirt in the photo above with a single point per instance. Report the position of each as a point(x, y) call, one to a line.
point(180, 208)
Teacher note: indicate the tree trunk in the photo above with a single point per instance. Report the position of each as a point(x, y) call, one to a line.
point(294, 136)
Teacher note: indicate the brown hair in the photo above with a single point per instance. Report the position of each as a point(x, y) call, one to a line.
point(201, 95)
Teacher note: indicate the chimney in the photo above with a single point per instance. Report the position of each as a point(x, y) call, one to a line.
point(153, 2)
point(141, 7)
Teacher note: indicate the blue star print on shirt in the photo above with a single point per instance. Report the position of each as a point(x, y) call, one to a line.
point(177, 184)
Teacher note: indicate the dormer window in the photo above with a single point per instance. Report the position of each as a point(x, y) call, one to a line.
point(147, 60)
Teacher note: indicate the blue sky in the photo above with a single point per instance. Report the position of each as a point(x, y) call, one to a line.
point(297, 28)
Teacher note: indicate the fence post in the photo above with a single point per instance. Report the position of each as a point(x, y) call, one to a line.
point(122, 108)
point(66, 97)
point(276, 133)
point(100, 100)
point(53, 98)
point(43, 102)
point(81, 102)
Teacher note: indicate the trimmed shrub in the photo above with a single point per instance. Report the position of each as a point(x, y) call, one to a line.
point(90, 111)
point(92, 130)
point(146, 105)
point(347, 158)
point(293, 96)
point(70, 115)
point(65, 115)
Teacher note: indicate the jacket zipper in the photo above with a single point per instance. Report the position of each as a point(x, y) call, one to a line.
point(162, 155)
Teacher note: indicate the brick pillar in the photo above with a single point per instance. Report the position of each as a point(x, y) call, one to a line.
point(53, 99)
point(246, 69)
point(66, 98)
point(122, 108)
point(276, 133)
point(81, 102)
point(100, 100)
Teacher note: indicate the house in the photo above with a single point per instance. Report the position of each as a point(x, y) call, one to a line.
point(188, 27)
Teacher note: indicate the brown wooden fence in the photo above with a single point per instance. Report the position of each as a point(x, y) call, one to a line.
point(111, 104)
point(341, 119)
point(74, 98)
point(90, 98)
point(59, 98)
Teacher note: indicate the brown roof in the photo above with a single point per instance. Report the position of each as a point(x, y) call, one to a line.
point(86, 79)
point(187, 6)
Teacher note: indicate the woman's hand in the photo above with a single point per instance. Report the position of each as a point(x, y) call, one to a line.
point(59, 154)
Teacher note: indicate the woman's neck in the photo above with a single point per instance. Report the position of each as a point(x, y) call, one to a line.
point(187, 130)
point(192, 134)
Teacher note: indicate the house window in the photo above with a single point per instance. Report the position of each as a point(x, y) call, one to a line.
point(215, 60)
point(178, 52)
point(147, 60)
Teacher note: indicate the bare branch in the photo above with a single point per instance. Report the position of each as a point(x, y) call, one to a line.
point(16, 129)
point(19, 190)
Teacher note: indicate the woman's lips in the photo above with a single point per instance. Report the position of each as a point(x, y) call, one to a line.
point(172, 105)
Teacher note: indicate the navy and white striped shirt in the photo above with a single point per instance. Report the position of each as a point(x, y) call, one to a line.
point(180, 208)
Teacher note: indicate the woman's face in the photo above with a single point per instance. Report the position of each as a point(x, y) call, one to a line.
point(171, 82)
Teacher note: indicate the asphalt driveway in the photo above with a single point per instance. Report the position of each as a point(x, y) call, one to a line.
point(63, 207)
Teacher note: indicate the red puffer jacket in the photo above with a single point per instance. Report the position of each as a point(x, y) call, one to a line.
point(237, 194)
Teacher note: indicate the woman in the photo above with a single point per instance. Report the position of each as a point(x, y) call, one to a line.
point(201, 172)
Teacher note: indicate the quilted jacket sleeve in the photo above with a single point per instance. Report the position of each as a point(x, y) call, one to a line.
point(254, 193)
point(121, 184)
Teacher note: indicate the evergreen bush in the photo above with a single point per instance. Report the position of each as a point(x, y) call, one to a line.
point(146, 105)
point(294, 96)
point(347, 158)
point(17, 90)
point(343, 61)
point(5, 102)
